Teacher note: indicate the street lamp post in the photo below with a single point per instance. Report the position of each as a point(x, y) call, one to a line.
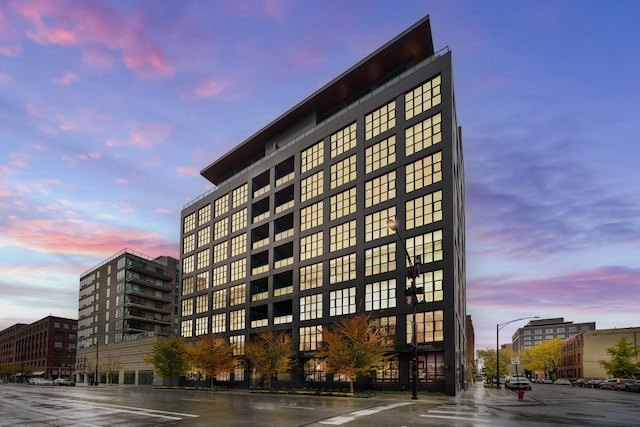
point(499, 326)
point(411, 293)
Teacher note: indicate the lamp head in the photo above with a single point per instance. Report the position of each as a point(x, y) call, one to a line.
point(392, 224)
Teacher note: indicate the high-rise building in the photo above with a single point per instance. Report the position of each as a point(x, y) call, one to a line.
point(537, 331)
point(125, 302)
point(295, 236)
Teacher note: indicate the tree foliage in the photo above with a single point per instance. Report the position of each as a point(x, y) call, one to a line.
point(355, 347)
point(270, 353)
point(621, 361)
point(212, 355)
point(169, 357)
point(488, 358)
point(546, 356)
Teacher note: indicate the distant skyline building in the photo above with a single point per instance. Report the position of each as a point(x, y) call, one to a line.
point(48, 346)
point(537, 331)
point(294, 235)
point(125, 302)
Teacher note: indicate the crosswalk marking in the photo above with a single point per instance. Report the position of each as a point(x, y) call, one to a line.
point(342, 419)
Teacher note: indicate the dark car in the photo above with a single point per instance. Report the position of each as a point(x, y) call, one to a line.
point(579, 382)
point(633, 386)
point(518, 383)
point(593, 383)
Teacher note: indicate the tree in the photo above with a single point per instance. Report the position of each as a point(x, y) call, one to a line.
point(355, 347)
point(620, 363)
point(169, 357)
point(270, 353)
point(546, 356)
point(110, 367)
point(212, 355)
point(488, 358)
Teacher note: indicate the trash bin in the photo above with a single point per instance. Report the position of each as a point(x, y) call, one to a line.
point(520, 394)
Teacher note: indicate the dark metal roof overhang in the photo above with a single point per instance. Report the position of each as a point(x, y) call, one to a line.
point(411, 47)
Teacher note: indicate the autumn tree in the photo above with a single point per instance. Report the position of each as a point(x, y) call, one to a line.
point(270, 353)
point(169, 357)
point(110, 366)
point(546, 356)
point(488, 358)
point(355, 347)
point(621, 363)
point(212, 355)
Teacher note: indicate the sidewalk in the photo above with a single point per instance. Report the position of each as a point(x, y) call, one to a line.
point(478, 394)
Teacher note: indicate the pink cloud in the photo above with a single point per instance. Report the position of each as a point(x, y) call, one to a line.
point(32, 110)
point(66, 79)
point(207, 87)
point(5, 78)
point(19, 159)
point(4, 192)
point(307, 58)
point(74, 160)
point(187, 171)
point(162, 211)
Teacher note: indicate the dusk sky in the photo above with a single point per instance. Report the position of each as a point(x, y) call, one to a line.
point(110, 109)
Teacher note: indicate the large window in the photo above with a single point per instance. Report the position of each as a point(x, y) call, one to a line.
point(423, 97)
point(375, 226)
point(187, 264)
point(312, 186)
point(342, 236)
point(187, 285)
point(238, 294)
point(311, 276)
point(381, 120)
point(219, 299)
point(381, 154)
point(221, 205)
point(388, 324)
point(202, 281)
point(220, 252)
point(220, 275)
point(428, 246)
point(188, 243)
point(424, 210)
point(431, 282)
point(311, 307)
point(186, 328)
point(422, 135)
point(380, 295)
point(204, 215)
point(187, 307)
point(220, 228)
point(237, 320)
point(239, 195)
point(202, 326)
point(424, 172)
point(343, 204)
point(202, 303)
point(343, 172)
point(239, 220)
point(314, 370)
point(312, 157)
point(189, 222)
point(343, 140)
point(219, 323)
point(310, 337)
point(342, 301)
point(311, 216)
point(342, 269)
point(430, 326)
point(380, 259)
point(388, 372)
point(237, 344)
point(311, 246)
point(203, 259)
point(239, 269)
point(380, 189)
point(239, 245)
point(204, 236)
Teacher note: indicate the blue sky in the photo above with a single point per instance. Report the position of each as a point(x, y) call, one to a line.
point(109, 110)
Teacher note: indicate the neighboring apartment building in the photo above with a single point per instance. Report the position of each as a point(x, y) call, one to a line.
point(582, 353)
point(46, 347)
point(294, 235)
point(125, 302)
point(537, 331)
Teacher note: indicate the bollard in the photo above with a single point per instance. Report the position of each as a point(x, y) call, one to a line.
point(520, 394)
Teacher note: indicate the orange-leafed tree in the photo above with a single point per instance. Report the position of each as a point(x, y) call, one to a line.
point(270, 353)
point(211, 355)
point(355, 347)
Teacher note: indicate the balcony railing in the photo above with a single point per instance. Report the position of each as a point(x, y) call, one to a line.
point(279, 320)
point(260, 296)
point(259, 270)
point(283, 291)
point(284, 206)
point(283, 262)
point(283, 234)
point(263, 215)
point(260, 243)
point(285, 178)
point(259, 192)
point(259, 323)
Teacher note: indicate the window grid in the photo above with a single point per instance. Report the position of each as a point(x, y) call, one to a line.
point(312, 157)
point(203, 258)
point(220, 252)
point(311, 186)
point(343, 204)
point(310, 337)
point(428, 246)
point(423, 135)
point(219, 323)
point(380, 189)
point(186, 328)
point(423, 97)
point(202, 281)
point(189, 222)
point(388, 372)
point(343, 140)
point(219, 299)
point(381, 154)
point(311, 276)
point(240, 195)
point(311, 216)
point(239, 245)
point(342, 301)
point(424, 210)
point(187, 307)
point(187, 285)
point(221, 205)
point(238, 294)
point(202, 326)
point(342, 269)
point(311, 246)
point(187, 264)
point(237, 343)
point(380, 295)
point(430, 326)
point(220, 275)
point(424, 172)
point(204, 215)
point(311, 307)
point(188, 243)
point(381, 120)
point(237, 320)
point(220, 228)
point(239, 269)
point(376, 224)
point(202, 303)
point(380, 259)
point(342, 236)
point(204, 236)
point(388, 324)
point(343, 172)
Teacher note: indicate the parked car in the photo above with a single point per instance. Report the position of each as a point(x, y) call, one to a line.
point(547, 381)
point(518, 383)
point(580, 382)
point(63, 381)
point(622, 383)
point(615, 383)
point(562, 381)
point(633, 386)
point(593, 383)
point(40, 381)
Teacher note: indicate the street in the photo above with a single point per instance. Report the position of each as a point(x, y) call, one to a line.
point(545, 405)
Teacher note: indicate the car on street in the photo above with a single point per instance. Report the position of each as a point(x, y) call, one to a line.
point(562, 381)
point(633, 386)
point(615, 383)
point(580, 382)
point(547, 381)
point(63, 381)
point(40, 381)
point(518, 383)
point(593, 383)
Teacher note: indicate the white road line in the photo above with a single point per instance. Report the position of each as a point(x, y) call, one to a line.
point(133, 410)
point(342, 419)
point(449, 417)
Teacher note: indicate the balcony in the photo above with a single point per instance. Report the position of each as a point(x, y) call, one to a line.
point(283, 291)
point(283, 319)
point(259, 323)
point(260, 296)
point(285, 206)
point(259, 270)
point(285, 179)
point(283, 235)
point(260, 243)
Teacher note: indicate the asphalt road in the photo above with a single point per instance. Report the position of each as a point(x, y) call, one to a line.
point(545, 405)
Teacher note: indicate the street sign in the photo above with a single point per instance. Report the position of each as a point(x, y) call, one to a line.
point(515, 360)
